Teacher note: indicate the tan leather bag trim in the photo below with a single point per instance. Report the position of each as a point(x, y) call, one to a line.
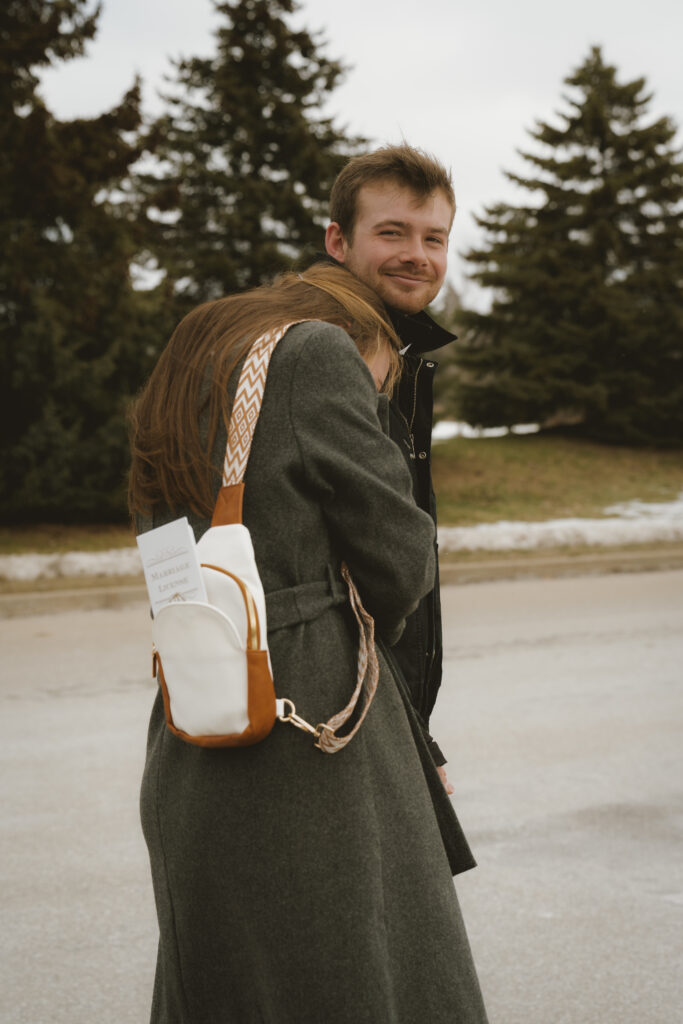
point(260, 706)
point(228, 507)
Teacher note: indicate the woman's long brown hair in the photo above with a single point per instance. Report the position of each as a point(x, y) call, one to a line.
point(171, 456)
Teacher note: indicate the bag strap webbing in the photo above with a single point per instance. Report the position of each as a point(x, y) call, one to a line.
point(247, 404)
point(368, 673)
point(243, 419)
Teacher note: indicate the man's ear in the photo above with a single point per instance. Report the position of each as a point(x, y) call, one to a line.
point(334, 242)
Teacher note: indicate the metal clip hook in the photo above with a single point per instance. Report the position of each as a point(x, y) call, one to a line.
point(294, 719)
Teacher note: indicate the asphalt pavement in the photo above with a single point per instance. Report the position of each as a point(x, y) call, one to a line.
point(561, 714)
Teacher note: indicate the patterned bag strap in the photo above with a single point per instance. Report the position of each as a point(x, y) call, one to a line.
point(247, 404)
point(243, 419)
point(368, 672)
point(366, 681)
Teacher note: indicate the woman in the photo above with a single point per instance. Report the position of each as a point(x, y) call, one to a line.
point(293, 886)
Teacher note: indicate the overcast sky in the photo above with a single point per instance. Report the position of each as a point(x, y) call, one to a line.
point(461, 79)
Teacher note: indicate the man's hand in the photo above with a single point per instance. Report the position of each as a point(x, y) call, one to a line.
point(444, 778)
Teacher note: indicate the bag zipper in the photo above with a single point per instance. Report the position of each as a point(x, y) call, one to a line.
point(254, 641)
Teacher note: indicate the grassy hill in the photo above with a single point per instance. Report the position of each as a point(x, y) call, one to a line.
point(528, 477)
point(535, 477)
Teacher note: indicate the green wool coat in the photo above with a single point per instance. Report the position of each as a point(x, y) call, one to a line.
point(293, 886)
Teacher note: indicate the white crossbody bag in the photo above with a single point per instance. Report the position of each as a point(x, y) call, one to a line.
point(211, 657)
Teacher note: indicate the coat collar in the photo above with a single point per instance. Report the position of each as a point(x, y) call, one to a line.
point(418, 332)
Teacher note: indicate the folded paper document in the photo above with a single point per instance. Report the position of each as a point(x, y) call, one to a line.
point(171, 565)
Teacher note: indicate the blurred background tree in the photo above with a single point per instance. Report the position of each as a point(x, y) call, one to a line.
point(586, 325)
point(234, 188)
point(71, 326)
point(241, 184)
point(447, 310)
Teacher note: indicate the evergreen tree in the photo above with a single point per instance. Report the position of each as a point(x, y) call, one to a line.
point(586, 325)
point(72, 330)
point(248, 159)
point(447, 311)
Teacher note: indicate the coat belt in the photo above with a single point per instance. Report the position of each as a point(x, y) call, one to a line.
point(304, 602)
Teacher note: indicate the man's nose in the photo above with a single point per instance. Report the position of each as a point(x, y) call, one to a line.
point(413, 251)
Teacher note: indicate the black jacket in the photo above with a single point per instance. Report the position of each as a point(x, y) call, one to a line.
point(419, 651)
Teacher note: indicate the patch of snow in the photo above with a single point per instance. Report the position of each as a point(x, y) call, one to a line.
point(520, 536)
point(647, 509)
point(446, 429)
point(29, 567)
point(632, 522)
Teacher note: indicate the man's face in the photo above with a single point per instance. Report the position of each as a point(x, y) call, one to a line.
point(399, 246)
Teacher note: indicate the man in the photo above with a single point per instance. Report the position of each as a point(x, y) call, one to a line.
point(391, 215)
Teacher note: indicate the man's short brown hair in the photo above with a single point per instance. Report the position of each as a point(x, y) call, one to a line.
point(412, 168)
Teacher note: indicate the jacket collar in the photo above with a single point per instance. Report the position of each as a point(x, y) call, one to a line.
point(418, 332)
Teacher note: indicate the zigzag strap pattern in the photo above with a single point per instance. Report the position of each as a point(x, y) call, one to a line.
point(366, 679)
point(247, 404)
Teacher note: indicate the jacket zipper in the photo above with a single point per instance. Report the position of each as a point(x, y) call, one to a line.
point(411, 445)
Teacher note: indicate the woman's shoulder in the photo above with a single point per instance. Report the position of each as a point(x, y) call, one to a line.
point(317, 347)
point(316, 362)
point(314, 335)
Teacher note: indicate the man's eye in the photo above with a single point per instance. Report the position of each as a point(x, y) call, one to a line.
point(436, 238)
point(389, 231)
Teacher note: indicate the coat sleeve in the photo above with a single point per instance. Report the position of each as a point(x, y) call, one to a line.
point(360, 479)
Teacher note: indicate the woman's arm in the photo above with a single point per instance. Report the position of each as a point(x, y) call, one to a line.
point(360, 478)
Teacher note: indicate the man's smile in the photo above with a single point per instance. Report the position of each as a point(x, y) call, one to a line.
point(410, 278)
